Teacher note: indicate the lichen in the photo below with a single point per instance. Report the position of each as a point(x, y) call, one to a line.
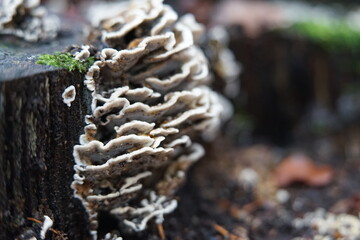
point(66, 61)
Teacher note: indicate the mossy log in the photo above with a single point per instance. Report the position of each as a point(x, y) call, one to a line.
point(37, 135)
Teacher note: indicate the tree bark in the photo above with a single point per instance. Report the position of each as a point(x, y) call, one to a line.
point(37, 135)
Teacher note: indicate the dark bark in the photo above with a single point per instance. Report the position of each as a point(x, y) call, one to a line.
point(37, 135)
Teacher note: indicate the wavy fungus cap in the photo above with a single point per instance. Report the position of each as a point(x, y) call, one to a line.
point(150, 105)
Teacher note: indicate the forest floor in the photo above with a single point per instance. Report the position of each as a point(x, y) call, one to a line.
point(256, 192)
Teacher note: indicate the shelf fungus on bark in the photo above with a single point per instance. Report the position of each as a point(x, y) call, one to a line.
point(150, 104)
point(28, 20)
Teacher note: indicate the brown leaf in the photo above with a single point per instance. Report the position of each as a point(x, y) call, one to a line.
point(300, 168)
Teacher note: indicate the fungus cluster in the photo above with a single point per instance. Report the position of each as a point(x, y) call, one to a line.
point(150, 104)
point(222, 61)
point(28, 20)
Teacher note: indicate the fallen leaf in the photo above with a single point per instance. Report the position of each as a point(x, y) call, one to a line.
point(301, 168)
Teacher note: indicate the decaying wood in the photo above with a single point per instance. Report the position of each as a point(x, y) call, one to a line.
point(37, 135)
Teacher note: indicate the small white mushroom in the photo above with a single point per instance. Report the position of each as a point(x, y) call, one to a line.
point(69, 95)
point(47, 224)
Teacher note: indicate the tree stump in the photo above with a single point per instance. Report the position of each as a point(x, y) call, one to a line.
point(37, 135)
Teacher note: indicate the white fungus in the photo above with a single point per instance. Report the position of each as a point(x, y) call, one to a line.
point(150, 101)
point(248, 178)
point(28, 20)
point(47, 224)
point(110, 236)
point(155, 207)
point(326, 225)
point(69, 95)
point(282, 196)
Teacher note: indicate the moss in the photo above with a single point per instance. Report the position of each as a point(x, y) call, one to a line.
point(334, 35)
point(65, 60)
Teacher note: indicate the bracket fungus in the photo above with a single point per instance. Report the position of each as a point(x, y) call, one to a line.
point(28, 20)
point(150, 104)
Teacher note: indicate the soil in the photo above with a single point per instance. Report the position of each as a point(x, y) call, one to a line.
point(216, 204)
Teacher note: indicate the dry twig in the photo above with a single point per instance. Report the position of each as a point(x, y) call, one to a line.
point(161, 231)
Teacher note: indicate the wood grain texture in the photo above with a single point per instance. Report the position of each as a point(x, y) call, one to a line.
point(37, 135)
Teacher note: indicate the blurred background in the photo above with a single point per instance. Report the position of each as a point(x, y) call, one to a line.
point(300, 67)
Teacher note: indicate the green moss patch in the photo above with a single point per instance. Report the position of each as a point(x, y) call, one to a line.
point(334, 35)
point(66, 61)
